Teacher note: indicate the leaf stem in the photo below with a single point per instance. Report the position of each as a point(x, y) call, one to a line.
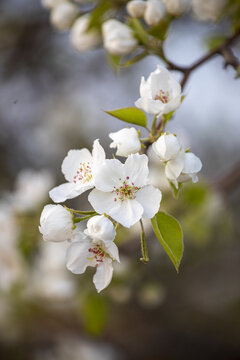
point(144, 258)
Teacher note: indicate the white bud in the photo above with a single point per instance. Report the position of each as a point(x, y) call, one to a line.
point(118, 38)
point(55, 223)
point(50, 4)
point(155, 12)
point(82, 39)
point(63, 15)
point(126, 141)
point(177, 7)
point(208, 9)
point(166, 147)
point(100, 228)
point(136, 8)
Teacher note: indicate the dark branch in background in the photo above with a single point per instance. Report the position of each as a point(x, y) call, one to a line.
point(224, 50)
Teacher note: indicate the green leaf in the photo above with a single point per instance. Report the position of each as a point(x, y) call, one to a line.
point(114, 61)
point(169, 233)
point(97, 14)
point(159, 31)
point(130, 115)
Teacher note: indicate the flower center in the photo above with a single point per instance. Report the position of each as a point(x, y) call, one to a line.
point(84, 173)
point(125, 191)
point(97, 253)
point(163, 96)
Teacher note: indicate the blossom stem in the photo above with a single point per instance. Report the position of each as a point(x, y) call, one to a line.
point(81, 212)
point(79, 219)
point(144, 258)
point(153, 129)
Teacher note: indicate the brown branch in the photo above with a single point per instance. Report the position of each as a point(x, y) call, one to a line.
point(219, 50)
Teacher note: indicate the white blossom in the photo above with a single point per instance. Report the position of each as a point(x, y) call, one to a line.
point(63, 15)
point(154, 12)
point(208, 9)
point(180, 166)
point(136, 8)
point(81, 38)
point(160, 94)
point(56, 223)
point(118, 38)
point(94, 247)
point(31, 189)
point(126, 141)
point(122, 190)
point(177, 7)
point(166, 147)
point(79, 168)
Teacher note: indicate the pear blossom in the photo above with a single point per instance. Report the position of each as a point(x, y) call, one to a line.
point(122, 190)
point(118, 38)
point(154, 12)
point(177, 7)
point(78, 167)
point(81, 38)
point(206, 10)
point(180, 166)
point(160, 94)
point(31, 189)
point(56, 223)
point(136, 8)
point(126, 141)
point(94, 247)
point(63, 15)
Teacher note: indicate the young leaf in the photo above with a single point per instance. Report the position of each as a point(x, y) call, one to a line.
point(169, 233)
point(130, 115)
point(139, 31)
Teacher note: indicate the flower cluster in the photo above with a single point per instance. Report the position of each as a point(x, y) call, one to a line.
point(120, 193)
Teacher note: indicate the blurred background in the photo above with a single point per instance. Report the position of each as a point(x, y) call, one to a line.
point(52, 99)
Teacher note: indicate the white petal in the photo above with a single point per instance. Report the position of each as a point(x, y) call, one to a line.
point(126, 141)
point(112, 250)
point(192, 164)
point(159, 80)
point(103, 275)
point(77, 257)
point(102, 202)
point(149, 105)
point(101, 228)
point(126, 212)
point(67, 191)
point(149, 197)
point(108, 175)
point(145, 89)
point(72, 161)
point(175, 166)
point(136, 168)
point(166, 147)
point(98, 153)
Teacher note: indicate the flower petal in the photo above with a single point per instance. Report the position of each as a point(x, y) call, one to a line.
point(175, 166)
point(149, 197)
point(145, 89)
point(126, 212)
point(103, 275)
point(149, 105)
point(100, 228)
point(67, 191)
point(136, 168)
point(98, 153)
point(108, 175)
point(77, 257)
point(192, 164)
point(112, 250)
point(72, 162)
point(166, 147)
point(102, 202)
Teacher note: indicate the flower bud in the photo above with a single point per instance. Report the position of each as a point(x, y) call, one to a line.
point(55, 223)
point(63, 15)
point(126, 141)
point(166, 147)
point(136, 8)
point(100, 228)
point(118, 38)
point(155, 12)
point(81, 38)
point(176, 7)
point(206, 10)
